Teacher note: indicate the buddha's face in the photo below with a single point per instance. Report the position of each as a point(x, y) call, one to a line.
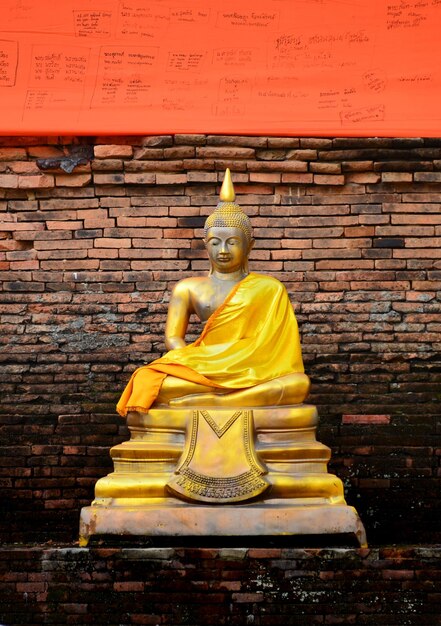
point(227, 248)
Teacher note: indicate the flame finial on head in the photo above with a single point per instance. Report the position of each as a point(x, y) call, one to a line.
point(228, 214)
point(227, 193)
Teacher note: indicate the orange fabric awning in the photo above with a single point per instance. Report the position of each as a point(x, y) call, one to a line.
point(280, 67)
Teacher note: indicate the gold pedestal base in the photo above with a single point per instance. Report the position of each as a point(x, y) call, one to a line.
point(302, 498)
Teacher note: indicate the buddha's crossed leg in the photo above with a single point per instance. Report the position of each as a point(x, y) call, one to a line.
point(286, 390)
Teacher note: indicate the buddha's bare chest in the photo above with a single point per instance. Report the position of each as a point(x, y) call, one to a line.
point(209, 296)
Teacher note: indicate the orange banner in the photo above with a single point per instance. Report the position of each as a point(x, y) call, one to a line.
point(280, 67)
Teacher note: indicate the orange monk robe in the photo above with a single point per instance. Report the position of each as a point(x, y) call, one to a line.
point(251, 338)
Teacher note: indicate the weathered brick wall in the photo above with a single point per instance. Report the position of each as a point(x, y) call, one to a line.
point(94, 233)
point(264, 587)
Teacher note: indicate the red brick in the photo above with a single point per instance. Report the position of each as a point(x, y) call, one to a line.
point(99, 223)
point(171, 264)
point(129, 586)
point(396, 177)
point(143, 222)
point(426, 285)
point(115, 203)
point(236, 140)
point(23, 167)
point(318, 220)
point(368, 178)
point(59, 244)
point(264, 553)
point(16, 226)
point(365, 419)
point(359, 231)
point(336, 253)
point(148, 153)
point(88, 214)
point(135, 232)
point(423, 218)
point(423, 242)
point(179, 152)
point(64, 225)
point(149, 166)
point(373, 219)
point(427, 177)
point(108, 165)
point(400, 574)
point(77, 264)
point(391, 231)
point(45, 152)
point(43, 181)
point(363, 242)
point(106, 242)
point(72, 180)
point(9, 181)
point(325, 168)
point(383, 285)
point(340, 264)
point(158, 141)
point(202, 164)
point(277, 166)
point(248, 597)
point(11, 244)
point(12, 154)
point(283, 142)
point(113, 151)
point(188, 139)
point(413, 206)
point(254, 195)
point(233, 152)
point(30, 587)
point(324, 179)
point(145, 178)
point(303, 233)
point(357, 166)
point(297, 178)
point(235, 166)
point(170, 179)
point(202, 177)
point(68, 203)
point(302, 155)
point(25, 265)
point(108, 179)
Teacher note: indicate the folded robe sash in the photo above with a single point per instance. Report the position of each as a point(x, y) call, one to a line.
point(251, 338)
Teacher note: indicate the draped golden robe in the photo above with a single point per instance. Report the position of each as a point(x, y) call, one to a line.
point(251, 338)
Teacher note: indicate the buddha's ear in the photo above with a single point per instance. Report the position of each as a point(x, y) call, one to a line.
point(251, 246)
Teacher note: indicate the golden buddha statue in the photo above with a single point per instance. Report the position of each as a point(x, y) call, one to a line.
point(221, 420)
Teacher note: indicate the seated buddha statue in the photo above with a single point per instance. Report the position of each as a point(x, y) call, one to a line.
point(221, 420)
point(249, 352)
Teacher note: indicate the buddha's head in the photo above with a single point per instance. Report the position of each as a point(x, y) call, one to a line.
point(228, 233)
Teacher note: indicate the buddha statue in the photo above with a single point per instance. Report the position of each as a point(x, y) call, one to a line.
point(221, 421)
point(249, 351)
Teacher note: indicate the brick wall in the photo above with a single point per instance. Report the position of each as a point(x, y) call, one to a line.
point(95, 231)
point(264, 587)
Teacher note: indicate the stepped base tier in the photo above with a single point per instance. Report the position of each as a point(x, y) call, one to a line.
point(221, 472)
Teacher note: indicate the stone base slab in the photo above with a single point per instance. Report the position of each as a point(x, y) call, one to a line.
point(273, 517)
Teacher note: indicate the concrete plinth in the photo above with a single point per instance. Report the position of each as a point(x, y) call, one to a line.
point(174, 518)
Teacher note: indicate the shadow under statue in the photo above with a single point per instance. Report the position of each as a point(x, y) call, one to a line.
point(221, 441)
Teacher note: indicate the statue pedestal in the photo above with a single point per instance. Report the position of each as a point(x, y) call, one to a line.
point(300, 497)
point(270, 517)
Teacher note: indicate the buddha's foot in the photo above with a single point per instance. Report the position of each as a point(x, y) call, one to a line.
point(286, 390)
point(243, 397)
point(197, 399)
